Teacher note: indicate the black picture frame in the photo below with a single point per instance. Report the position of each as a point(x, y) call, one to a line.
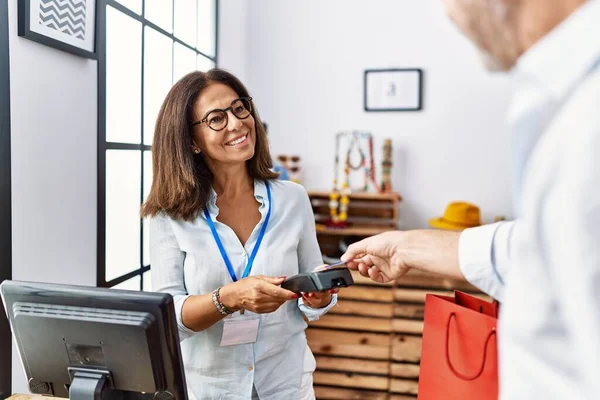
point(410, 78)
point(54, 25)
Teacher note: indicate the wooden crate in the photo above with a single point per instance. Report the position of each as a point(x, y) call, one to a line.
point(352, 343)
point(369, 345)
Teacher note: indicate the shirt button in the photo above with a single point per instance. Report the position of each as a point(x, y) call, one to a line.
point(250, 368)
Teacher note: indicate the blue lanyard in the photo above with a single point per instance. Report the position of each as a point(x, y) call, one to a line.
point(256, 247)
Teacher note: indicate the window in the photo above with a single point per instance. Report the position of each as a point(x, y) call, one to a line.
point(145, 46)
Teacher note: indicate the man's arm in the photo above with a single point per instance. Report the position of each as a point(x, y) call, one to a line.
point(480, 255)
point(484, 256)
point(390, 255)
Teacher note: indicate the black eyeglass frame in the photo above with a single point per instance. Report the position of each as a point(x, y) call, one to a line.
point(249, 99)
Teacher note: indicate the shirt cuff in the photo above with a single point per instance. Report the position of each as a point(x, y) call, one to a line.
point(313, 314)
point(184, 331)
point(479, 251)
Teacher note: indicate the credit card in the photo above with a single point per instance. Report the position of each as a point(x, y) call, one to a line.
point(337, 265)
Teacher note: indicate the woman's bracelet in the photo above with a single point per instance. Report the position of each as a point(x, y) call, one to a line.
point(222, 308)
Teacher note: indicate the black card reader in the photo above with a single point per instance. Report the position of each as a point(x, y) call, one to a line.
point(318, 281)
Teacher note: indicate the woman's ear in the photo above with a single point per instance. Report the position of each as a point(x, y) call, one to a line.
point(195, 148)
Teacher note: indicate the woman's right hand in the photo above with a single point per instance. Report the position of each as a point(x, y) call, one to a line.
point(260, 294)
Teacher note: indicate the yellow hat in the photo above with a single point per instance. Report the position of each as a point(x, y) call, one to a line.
point(459, 215)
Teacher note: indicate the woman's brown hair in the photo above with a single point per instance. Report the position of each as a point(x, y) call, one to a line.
point(181, 184)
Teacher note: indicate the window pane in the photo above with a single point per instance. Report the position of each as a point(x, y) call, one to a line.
point(123, 187)
point(123, 77)
point(158, 75)
point(206, 26)
point(129, 284)
point(185, 21)
point(147, 282)
point(147, 184)
point(133, 5)
point(161, 13)
point(204, 64)
point(184, 61)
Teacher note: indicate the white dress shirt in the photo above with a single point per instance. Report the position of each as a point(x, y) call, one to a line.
point(545, 266)
point(186, 261)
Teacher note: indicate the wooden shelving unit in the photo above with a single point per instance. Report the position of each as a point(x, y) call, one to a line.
point(369, 346)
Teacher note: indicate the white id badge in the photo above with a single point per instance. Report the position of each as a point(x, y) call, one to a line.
point(239, 331)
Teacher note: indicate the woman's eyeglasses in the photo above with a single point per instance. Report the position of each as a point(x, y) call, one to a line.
point(218, 119)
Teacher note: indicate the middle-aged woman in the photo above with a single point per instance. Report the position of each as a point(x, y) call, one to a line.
point(224, 234)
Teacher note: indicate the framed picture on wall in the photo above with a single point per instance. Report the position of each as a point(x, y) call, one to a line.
point(68, 25)
point(397, 89)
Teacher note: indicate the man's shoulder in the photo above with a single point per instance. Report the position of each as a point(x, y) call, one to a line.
point(579, 117)
point(574, 135)
point(587, 93)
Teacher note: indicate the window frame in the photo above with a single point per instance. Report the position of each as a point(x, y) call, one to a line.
point(103, 145)
point(5, 201)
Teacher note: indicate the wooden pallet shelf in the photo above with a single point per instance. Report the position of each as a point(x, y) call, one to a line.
point(383, 197)
point(368, 347)
point(368, 214)
point(352, 231)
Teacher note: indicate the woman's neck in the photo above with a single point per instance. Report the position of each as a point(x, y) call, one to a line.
point(230, 181)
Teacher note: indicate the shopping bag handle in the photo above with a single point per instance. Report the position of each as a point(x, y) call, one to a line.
point(449, 361)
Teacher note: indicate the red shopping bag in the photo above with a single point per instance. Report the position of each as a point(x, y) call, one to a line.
point(459, 358)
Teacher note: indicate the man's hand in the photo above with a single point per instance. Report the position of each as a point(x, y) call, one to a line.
point(390, 255)
point(378, 257)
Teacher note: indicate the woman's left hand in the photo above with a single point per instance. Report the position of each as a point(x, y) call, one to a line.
point(319, 299)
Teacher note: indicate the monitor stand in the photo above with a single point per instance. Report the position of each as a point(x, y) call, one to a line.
point(87, 383)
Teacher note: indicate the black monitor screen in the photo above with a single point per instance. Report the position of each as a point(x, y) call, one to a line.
point(82, 342)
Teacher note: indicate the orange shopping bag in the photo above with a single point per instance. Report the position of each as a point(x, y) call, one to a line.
point(459, 358)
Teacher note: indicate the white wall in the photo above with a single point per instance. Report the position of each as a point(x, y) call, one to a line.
point(54, 145)
point(304, 67)
point(233, 32)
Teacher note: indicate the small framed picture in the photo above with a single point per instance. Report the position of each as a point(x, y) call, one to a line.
point(393, 89)
point(68, 25)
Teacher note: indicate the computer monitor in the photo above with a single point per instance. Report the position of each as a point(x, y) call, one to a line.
point(92, 343)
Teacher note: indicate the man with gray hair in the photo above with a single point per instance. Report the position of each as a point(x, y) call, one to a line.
point(545, 265)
